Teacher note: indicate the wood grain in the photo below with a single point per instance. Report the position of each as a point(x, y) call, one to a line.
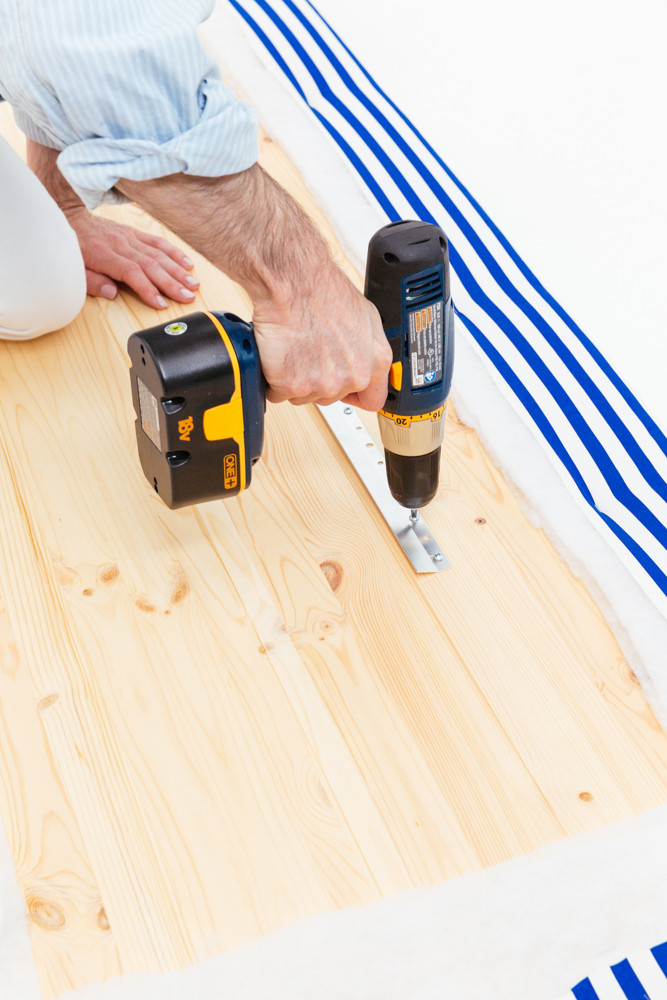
point(214, 721)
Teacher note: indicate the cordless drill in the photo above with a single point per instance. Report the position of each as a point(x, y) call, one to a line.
point(199, 391)
point(407, 279)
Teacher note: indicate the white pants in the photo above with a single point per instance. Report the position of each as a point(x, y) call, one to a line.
point(42, 277)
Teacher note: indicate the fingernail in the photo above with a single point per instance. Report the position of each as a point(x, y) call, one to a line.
point(187, 262)
point(187, 293)
point(160, 302)
point(191, 280)
point(108, 291)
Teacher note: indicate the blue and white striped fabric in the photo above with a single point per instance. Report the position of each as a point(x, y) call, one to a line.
point(641, 976)
point(606, 447)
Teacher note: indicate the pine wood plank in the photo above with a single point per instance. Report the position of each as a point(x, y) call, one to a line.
point(220, 719)
point(66, 919)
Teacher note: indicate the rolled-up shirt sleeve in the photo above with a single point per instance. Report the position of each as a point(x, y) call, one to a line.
point(123, 88)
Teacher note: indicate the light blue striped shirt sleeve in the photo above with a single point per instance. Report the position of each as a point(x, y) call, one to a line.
point(124, 88)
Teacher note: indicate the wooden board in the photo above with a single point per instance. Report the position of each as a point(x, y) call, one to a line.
point(214, 721)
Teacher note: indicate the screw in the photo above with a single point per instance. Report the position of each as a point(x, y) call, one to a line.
point(437, 557)
point(347, 411)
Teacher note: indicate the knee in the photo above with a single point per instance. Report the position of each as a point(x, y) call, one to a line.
point(46, 295)
point(47, 311)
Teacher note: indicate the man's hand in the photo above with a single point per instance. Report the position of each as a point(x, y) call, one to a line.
point(113, 252)
point(326, 345)
point(319, 339)
point(148, 264)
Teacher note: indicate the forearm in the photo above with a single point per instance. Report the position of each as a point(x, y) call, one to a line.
point(42, 160)
point(246, 225)
point(319, 339)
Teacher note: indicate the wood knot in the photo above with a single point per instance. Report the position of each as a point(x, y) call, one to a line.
point(586, 796)
point(181, 590)
point(144, 605)
point(325, 628)
point(480, 520)
point(333, 571)
point(103, 920)
point(66, 575)
point(47, 915)
point(631, 675)
point(109, 574)
point(87, 592)
point(46, 702)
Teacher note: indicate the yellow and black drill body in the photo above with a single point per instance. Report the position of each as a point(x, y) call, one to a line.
point(199, 391)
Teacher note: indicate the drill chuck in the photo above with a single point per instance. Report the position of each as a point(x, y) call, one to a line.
point(413, 479)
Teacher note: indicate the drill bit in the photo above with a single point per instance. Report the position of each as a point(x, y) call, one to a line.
point(414, 516)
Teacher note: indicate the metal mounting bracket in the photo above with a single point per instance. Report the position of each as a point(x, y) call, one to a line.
point(415, 539)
